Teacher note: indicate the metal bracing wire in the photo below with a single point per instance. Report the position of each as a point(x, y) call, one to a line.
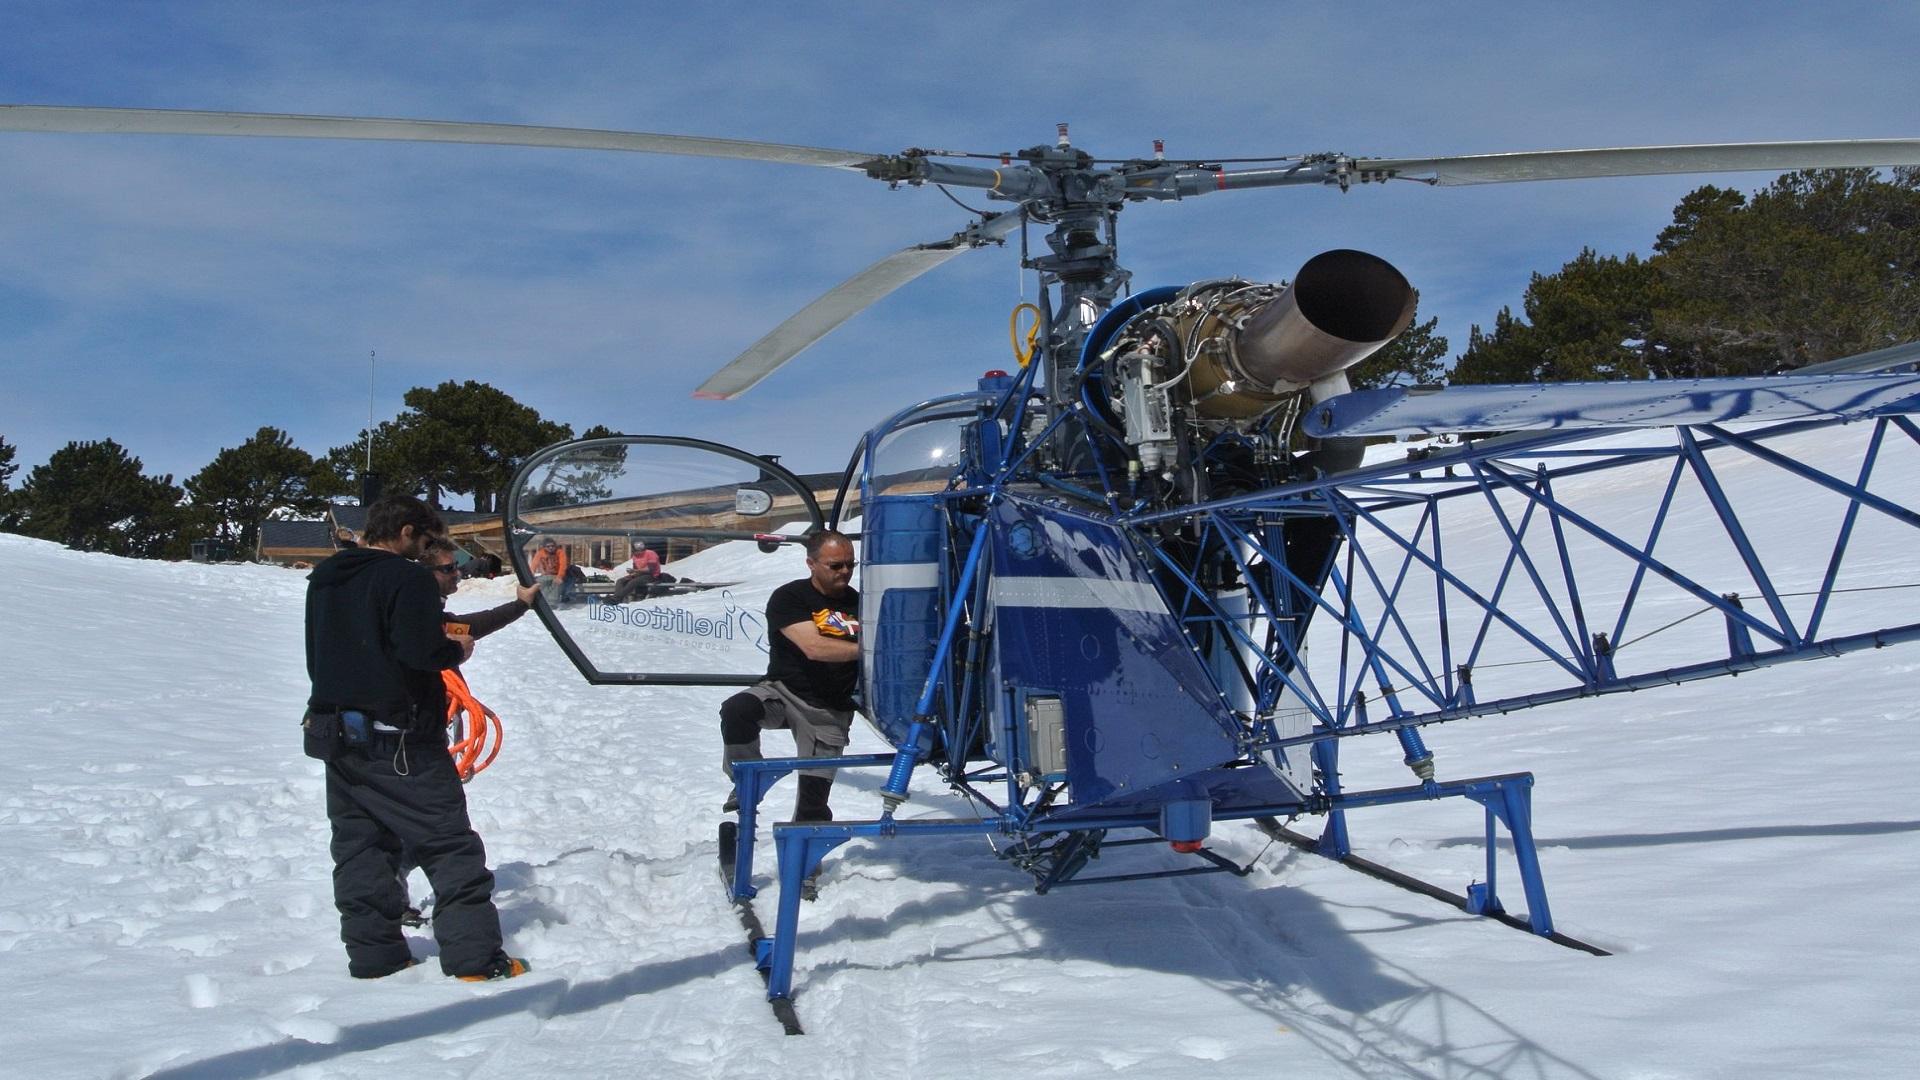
point(1646, 553)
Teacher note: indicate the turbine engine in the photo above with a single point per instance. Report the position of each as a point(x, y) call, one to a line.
point(1227, 354)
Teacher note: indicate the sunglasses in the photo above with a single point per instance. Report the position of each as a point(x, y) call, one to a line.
point(449, 568)
point(847, 565)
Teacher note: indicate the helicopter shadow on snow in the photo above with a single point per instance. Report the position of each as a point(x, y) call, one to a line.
point(544, 998)
point(1277, 950)
point(1698, 836)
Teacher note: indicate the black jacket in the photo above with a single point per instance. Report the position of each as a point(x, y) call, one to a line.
point(374, 639)
point(481, 623)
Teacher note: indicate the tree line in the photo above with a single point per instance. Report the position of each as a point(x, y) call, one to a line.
point(452, 439)
point(1817, 265)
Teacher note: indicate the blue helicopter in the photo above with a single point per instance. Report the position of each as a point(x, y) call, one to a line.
point(1148, 580)
point(1090, 583)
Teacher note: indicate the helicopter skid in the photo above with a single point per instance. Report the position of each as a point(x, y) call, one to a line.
point(1506, 799)
point(1470, 904)
point(758, 944)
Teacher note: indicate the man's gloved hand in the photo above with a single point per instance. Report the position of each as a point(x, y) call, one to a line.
point(836, 624)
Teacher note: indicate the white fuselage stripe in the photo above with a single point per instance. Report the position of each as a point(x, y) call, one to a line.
point(1076, 592)
point(877, 578)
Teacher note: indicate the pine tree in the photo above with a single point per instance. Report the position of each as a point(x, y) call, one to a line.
point(1589, 321)
point(92, 496)
point(465, 438)
point(7, 469)
point(247, 484)
point(1816, 266)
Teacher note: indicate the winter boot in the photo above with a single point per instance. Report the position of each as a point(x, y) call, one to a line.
point(730, 753)
point(414, 962)
point(811, 803)
point(501, 966)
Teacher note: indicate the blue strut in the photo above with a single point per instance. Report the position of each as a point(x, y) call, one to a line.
point(917, 743)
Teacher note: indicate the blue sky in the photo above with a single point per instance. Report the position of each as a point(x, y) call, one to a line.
point(175, 294)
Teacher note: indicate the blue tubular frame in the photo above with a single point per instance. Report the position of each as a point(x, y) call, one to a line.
point(800, 847)
point(1552, 616)
point(1392, 599)
point(752, 780)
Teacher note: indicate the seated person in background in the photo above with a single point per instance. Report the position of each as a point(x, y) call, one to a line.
point(642, 574)
point(551, 571)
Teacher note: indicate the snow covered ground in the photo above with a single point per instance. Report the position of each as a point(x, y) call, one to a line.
point(1749, 849)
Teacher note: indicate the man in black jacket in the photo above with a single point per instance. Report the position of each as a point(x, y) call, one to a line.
point(375, 650)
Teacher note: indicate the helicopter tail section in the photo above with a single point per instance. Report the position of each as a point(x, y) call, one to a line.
point(1401, 410)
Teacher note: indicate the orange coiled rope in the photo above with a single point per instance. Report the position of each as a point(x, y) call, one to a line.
point(475, 728)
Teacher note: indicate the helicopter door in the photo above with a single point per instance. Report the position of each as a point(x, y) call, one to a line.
point(656, 554)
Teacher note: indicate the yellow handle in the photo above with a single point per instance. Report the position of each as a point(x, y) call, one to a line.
point(1024, 353)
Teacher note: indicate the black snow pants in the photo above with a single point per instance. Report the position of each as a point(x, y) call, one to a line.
point(392, 796)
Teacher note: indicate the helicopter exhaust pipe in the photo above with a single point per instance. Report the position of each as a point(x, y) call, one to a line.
point(1343, 306)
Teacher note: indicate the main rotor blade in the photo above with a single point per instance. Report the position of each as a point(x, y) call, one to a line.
point(72, 119)
point(1647, 161)
point(843, 302)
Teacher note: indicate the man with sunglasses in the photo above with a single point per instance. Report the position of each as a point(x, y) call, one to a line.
point(446, 574)
point(813, 664)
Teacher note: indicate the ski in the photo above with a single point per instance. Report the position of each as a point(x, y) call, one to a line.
point(757, 937)
point(1273, 828)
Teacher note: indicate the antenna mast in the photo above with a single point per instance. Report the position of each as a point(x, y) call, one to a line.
point(369, 411)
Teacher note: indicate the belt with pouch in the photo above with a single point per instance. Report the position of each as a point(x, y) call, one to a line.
point(362, 727)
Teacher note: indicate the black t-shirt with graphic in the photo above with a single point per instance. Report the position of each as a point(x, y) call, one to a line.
point(817, 682)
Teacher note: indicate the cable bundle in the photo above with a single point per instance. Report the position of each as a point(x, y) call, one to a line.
point(476, 731)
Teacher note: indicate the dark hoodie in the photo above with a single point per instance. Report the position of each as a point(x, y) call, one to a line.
point(375, 641)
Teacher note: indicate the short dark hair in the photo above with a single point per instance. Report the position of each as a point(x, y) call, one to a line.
point(441, 544)
point(386, 519)
point(819, 538)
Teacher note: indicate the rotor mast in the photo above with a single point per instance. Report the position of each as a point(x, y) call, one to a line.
point(1059, 186)
point(1082, 257)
